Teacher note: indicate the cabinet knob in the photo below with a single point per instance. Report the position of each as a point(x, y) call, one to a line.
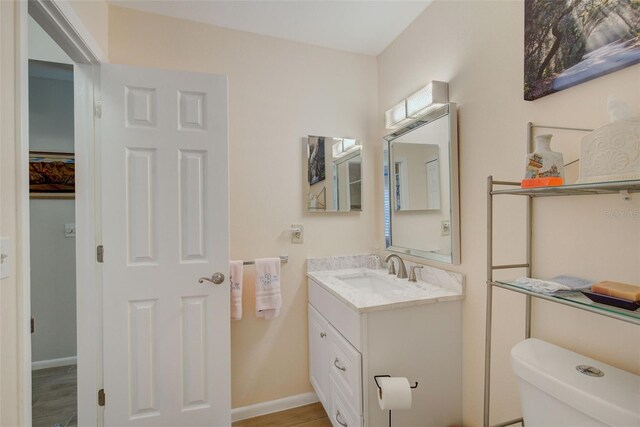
point(335, 363)
point(322, 335)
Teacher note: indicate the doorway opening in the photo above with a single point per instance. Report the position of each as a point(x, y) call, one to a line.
point(54, 45)
point(52, 232)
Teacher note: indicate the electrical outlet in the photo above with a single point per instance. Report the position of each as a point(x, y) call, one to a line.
point(297, 236)
point(69, 230)
point(6, 260)
point(445, 228)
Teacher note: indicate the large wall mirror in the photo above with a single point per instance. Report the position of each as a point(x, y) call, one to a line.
point(421, 187)
point(334, 174)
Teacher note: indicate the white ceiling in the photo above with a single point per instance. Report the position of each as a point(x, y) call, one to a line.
point(361, 26)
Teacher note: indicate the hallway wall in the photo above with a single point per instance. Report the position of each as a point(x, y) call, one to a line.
point(53, 261)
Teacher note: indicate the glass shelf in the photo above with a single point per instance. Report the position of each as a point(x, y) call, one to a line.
point(577, 300)
point(575, 189)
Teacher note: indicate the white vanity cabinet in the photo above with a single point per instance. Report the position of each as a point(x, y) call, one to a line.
point(347, 347)
point(335, 371)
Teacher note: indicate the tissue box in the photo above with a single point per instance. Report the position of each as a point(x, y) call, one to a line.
point(611, 153)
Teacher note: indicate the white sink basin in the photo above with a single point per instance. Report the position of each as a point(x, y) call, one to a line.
point(368, 283)
point(368, 290)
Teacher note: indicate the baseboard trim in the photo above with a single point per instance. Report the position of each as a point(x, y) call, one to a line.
point(53, 363)
point(272, 406)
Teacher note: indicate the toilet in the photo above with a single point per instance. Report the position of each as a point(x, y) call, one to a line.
point(554, 392)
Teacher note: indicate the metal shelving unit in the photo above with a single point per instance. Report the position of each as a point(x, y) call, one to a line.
point(574, 299)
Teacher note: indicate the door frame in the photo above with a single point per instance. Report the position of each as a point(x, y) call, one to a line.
point(61, 22)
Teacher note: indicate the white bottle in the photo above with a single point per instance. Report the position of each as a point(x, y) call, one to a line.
point(544, 163)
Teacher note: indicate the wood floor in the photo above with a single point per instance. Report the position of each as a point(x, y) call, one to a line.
point(305, 416)
point(54, 404)
point(54, 394)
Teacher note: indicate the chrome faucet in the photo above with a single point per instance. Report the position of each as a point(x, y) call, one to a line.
point(402, 270)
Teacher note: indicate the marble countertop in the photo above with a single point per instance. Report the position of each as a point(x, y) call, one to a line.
point(400, 292)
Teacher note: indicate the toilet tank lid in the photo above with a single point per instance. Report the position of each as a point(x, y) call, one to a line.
point(614, 398)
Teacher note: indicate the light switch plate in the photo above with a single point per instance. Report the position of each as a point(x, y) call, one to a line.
point(6, 258)
point(70, 230)
point(445, 228)
point(297, 237)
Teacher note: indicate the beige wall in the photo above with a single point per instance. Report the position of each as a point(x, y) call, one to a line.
point(477, 47)
point(279, 92)
point(94, 14)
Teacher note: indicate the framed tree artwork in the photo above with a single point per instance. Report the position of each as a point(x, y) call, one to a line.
point(316, 159)
point(568, 42)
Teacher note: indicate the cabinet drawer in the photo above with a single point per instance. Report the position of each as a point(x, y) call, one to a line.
point(336, 312)
point(342, 414)
point(346, 369)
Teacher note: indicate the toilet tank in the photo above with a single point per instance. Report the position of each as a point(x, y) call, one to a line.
point(553, 392)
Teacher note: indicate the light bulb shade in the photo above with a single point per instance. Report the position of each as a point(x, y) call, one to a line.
point(348, 144)
point(396, 116)
point(344, 146)
point(427, 99)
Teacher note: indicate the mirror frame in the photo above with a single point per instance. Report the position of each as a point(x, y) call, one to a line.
point(451, 111)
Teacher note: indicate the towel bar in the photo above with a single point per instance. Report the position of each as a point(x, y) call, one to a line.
point(283, 260)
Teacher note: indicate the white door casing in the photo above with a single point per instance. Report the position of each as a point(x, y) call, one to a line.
point(433, 183)
point(164, 160)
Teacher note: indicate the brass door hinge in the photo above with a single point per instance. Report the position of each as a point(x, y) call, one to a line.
point(100, 253)
point(101, 397)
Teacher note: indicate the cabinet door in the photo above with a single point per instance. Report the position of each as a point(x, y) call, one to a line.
point(318, 351)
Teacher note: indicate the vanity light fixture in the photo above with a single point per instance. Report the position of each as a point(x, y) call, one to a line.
point(344, 147)
point(432, 96)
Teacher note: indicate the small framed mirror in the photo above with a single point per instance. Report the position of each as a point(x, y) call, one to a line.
point(421, 187)
point(334, 174)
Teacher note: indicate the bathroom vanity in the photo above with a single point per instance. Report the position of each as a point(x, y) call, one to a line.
point(365, 322)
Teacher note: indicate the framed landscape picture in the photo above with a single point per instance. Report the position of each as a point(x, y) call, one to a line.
point(51, 175)
point(568, 42)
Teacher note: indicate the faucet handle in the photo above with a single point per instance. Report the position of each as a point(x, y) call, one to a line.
point(392, 267)
point(412, 273)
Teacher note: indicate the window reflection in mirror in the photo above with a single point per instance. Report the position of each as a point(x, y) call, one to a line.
point(421, 188)
point(334, 174)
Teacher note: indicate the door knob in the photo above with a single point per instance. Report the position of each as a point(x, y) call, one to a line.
point(216, 279)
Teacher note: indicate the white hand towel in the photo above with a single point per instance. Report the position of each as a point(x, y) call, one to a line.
point(235, 274)
point(268, 298)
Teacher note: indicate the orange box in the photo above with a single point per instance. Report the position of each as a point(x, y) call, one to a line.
point(542, 182)
point(617, 290)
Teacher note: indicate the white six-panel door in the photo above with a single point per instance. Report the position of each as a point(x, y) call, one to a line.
point(165, 224)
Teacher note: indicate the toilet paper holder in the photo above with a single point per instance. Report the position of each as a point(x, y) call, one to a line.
point(375, 378)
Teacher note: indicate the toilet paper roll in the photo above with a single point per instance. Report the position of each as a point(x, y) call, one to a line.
point(395, 393)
